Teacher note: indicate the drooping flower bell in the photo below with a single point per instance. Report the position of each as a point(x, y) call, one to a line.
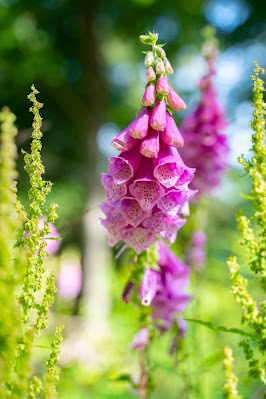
point(164, 290)
point(171, 298)
point(206, 146)
point(147, 184)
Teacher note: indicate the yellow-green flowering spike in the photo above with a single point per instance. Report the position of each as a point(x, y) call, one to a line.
point(32, 253)
point(53, 371)
point(254, 238)
point(230, 385)
point(35, 387)
point(9, 276)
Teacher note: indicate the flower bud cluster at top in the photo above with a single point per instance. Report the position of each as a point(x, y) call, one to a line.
point(206, 147)
point(147, 184)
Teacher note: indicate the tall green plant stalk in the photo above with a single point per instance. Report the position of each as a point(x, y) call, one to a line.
point(22, 266)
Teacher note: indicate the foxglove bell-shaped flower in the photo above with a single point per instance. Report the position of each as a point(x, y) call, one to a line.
point(172, 200)
point(146, 188)
point(133, 213)
point(164, 290)
point(169, 296)
point(123, 167)
point(114, 191)
point(167, 169)
point(138, 238)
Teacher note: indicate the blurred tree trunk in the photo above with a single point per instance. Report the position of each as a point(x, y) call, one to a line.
point(95, 295)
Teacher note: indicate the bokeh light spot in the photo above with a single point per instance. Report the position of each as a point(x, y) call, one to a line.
point(167, 27)
point(227, 15)
point(24, 26)
point(104, 137)
point(122, 74)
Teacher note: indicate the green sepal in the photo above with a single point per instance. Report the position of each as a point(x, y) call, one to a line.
point(169, 109)
point(145, 39)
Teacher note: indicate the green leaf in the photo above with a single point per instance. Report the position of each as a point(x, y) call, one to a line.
point(43, 347)
point(53, 238)
point(125, 378)
point(122, 377)
point(225, 329)
point(249, 197)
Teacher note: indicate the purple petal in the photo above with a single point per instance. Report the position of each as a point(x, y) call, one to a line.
point(113, 191)
point(133, 213)
point(167, 169)
point(138, 238)
point(124, 166)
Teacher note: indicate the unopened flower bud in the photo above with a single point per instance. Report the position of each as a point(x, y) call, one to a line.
point(149, 95)
point(146, 39)
point(139, 127)
point(159, 66)
point(162, 86)
point(168, 67)
point(148, 286)
point(175, 101)
point(150, 74)
point(158, 116)
point(149, 59)
point(129, 288)
point(160, 52)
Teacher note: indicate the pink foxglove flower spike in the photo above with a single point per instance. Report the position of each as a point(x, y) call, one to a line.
point(206, 146)
point(147, 184)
